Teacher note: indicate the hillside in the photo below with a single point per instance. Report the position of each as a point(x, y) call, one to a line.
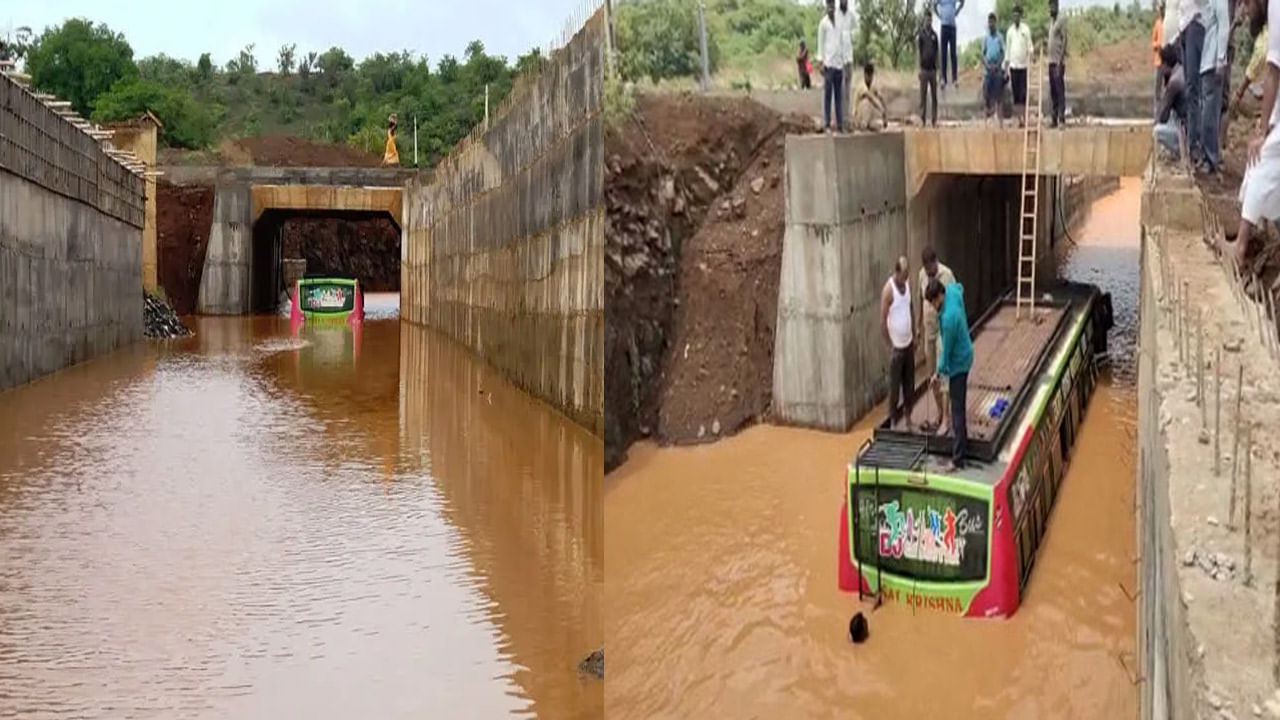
point(324, 97)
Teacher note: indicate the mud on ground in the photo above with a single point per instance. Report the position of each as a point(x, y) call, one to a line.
point(184, 214)
point(273, 151)
point(693, 240)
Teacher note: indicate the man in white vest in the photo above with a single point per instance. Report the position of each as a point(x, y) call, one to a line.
point(895, 326)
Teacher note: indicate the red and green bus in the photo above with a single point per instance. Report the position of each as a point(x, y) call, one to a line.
point(965, 542)
point(327, 300)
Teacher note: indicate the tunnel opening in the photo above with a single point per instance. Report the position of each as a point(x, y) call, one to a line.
point(348, 243)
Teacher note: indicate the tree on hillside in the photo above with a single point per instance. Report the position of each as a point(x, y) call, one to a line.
point(204, 68)
point(886, 32)
point(79, 61)
point(187, 123)
point(245, 64)
point(659, 39)
point(531, 60)
point(285, 59)
point(167, 71)
point(334, 62)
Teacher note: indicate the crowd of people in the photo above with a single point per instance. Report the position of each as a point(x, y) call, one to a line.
point(1191, 45)
point(1006, 59)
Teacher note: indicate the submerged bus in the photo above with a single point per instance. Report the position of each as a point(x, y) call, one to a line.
point(327, 300)
point(965, 542)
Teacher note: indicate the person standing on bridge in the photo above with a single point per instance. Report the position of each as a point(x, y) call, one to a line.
point(1057, 66)
point(1191, 34)
point(831, 58)
point(927, 49)
point(805, 68)
point(947, 10)
point(932, 270)
point(391, 156)
point(895, 326)
point(955, 357)
point(1216, 19)
point(845, 23)
point(1018, 41)
point(993, 70)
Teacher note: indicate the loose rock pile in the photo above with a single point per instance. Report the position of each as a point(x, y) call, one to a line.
point(159, 320)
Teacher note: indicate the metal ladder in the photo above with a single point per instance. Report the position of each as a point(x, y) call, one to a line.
point(1030, 196)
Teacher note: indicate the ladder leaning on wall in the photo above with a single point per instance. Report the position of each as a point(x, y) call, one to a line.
point(1030, 200)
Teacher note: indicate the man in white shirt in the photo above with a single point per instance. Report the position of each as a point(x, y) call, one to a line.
point(1260, 191)
point(1017, 56)
point(845, 24)
point(895, 327)
point(831, 58)
point(1191, 35)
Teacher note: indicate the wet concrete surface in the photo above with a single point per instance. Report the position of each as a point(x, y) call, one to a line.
point(722, 598)
point(248, 524)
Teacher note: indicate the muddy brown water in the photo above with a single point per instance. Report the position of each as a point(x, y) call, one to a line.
point(246, 525)
point(722, 601)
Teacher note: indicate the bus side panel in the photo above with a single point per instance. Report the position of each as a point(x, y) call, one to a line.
point(1000, 597)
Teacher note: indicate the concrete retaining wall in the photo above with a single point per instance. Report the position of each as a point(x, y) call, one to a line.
point(846, 224)
point(1208, 622)
point(70, 243)
point(504, 247)
point(1163, 634)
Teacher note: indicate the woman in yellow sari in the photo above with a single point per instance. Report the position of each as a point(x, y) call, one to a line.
point(391, 156)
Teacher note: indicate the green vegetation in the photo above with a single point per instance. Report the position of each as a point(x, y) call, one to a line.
point(756, 41)
point(1087, 29)
point(326, 96)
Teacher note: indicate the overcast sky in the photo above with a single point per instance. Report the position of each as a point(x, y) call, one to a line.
point(184, 29)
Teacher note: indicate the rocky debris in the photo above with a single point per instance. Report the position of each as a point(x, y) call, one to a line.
point(159, 320)
point(593, 664)
point(676, 190)
point(757, 185)
point(1218, 566)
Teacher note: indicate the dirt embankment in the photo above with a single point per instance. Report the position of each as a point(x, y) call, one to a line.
point(368, 248)
point(184, 215)
point(273, 151)
point(693, 240)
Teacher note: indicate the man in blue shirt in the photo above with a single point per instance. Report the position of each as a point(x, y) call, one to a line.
point(955, 357)
point(993, 69)
point(947, 10)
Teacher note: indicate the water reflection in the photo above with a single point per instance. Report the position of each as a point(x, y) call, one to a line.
point(247, 524)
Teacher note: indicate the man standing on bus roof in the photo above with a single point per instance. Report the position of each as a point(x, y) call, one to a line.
point(929, 323)
point(955, 357)
point(895, 326)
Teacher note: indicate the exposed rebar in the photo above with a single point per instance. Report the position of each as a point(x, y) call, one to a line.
point(1204, 421)
point(1217, 412)
point(1235, 446)
point(1248, 505)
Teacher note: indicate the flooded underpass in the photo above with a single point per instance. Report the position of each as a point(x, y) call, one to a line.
point(722, 598)
point(249, 524)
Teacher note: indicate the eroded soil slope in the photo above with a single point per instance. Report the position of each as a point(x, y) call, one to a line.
point(693, 193)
